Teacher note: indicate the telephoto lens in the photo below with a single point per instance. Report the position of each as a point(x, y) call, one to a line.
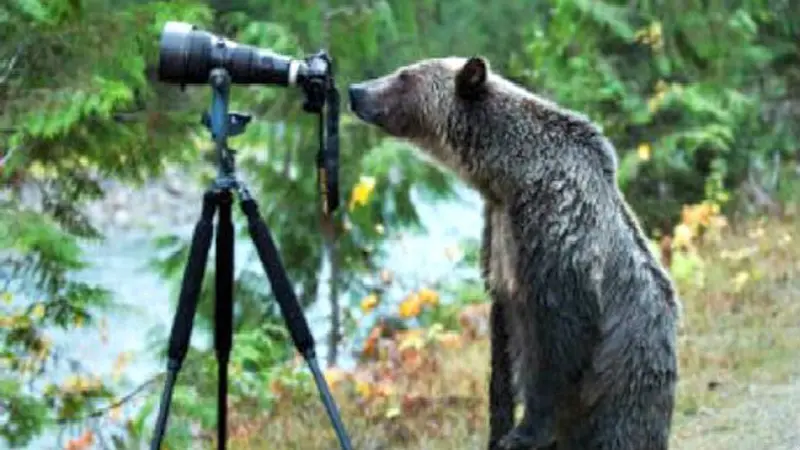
point(187, 55)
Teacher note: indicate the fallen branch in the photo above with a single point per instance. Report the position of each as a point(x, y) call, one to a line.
point(7, 156)
point(128, 397)
point(125, 399)
point(10, 66)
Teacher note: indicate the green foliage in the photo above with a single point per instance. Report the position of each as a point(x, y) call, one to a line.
point(700, 100)
point(696, 90)
point(77, 105)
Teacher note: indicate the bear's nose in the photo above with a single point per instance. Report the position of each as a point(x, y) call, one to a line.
point(356, 92)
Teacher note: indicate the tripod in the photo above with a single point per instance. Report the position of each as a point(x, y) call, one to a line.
point(218, 199)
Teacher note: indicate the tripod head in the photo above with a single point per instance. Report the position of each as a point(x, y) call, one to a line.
point(191, 56)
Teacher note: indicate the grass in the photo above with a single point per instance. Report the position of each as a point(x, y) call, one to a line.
point(740, 330)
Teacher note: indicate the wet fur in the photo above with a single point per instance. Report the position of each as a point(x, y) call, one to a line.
point(583, 313)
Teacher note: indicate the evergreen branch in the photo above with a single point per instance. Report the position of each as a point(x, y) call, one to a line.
point(329, 13)
point(125, 399)
point(8, 155)
point(10, 66)
point(128, 397)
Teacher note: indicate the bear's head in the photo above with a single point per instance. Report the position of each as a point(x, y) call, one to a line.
point(437, 104)
point(495, 134)
point(415, 100)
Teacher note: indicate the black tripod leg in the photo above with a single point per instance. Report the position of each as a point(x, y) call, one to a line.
point(290, 309)
point(223, 317)
point(187, 306)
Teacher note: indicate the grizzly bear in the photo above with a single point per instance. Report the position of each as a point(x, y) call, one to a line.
point(584, 317)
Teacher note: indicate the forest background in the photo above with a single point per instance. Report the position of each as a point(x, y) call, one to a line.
point(102, 168)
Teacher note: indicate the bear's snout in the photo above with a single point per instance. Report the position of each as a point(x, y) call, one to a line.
point(358, 93)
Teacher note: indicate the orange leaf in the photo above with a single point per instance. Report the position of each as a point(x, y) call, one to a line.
point(277, 388)
point(370, 349)
point(369, 302)
point(429, 297)
point(411, 306)
point(364, 389)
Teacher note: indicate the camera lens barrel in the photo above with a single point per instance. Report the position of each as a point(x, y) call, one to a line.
point(187, 56)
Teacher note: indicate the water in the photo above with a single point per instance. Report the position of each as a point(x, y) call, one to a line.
point(120, 264)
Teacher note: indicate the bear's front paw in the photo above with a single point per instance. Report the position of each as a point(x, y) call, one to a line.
point(523, 438)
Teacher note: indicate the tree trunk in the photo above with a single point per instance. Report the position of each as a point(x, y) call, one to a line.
point(334, 335)
point(329, 233)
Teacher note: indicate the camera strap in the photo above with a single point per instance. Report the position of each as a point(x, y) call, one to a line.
point(320, 89)
point(328, 156)
point(328, 159)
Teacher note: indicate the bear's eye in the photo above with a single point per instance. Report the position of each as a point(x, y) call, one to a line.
point(405, 76)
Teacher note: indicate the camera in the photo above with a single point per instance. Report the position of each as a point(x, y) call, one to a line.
point(191, 56)
point(188, 54)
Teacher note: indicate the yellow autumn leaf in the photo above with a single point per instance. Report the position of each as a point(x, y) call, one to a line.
point(450, 340)
point(683, 236)
point(379, 229)
point(72, 383)
point(740, 281)
point(78, 321)
point(653, 103)
point(644, 151)
point(26, 366)
point(38, 311)
point(411, 306)
point(37, 170)
point(756, 233)
point(435, 330)
point(363, 389)
point(412, 339)
point(651, 35)
point(115, 413)
point(384, 389)
point(392, 412)
point(237, 369)
point(739, 254)
point(44, 348)
point(369, 302)
point(94, 383)
point(429, 297)
point(334, 376)
point(661, 87)
point(119, 365)
point(6, 297)
point(656, 36)
point(718, 222)
point(361, 191)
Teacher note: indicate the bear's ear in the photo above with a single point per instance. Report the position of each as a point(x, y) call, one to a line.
point(471, 78)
